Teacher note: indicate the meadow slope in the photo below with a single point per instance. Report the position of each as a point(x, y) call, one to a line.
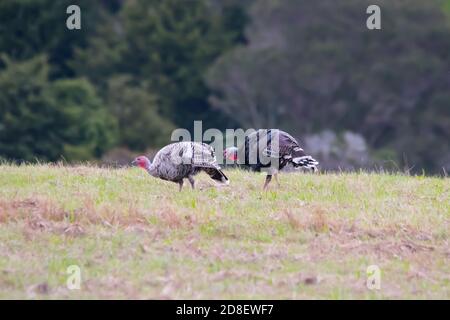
point(134, 236)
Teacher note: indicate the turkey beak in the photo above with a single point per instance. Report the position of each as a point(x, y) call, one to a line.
point(133, 163)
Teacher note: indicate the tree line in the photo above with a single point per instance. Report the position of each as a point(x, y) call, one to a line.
point(138, 69)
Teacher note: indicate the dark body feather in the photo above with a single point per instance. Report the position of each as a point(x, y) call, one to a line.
point(271, 150)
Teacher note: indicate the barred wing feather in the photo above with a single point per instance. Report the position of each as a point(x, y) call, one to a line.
point(196, 154)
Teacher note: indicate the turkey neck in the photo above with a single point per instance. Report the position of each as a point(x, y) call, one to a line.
point(151, 169)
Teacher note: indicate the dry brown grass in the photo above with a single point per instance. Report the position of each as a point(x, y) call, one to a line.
point(313, 218)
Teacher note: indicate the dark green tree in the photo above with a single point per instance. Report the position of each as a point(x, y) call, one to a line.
point(136, 111)
point(166, 46)
point(30, 27)
point(45, 120)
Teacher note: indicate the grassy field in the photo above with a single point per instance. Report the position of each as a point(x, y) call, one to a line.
point(134, 236)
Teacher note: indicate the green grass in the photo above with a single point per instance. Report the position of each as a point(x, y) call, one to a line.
point(134, 236)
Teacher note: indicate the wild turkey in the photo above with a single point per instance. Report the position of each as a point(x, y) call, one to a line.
point(271, 150)
point(181, 160)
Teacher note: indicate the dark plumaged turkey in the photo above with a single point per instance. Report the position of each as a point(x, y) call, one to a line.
point(183, 160)
point(270, 150)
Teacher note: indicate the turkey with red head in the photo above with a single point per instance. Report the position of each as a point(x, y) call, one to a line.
point(270, 150)
point(183, 160)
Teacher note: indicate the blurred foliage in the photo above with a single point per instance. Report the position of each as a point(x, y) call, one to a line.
point(446, 6)
point(30, 27)
point(166, 46)
point(45, 120)
point(140, 125)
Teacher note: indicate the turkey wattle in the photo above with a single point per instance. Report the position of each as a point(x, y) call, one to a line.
point(271, 150)
point(178, 161)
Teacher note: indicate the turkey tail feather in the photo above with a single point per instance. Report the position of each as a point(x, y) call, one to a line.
point(218, 175)
point(305, 162)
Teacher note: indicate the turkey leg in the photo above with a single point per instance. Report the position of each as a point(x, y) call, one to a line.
point(181, 184)
point(192, 181)
point(268, 178)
